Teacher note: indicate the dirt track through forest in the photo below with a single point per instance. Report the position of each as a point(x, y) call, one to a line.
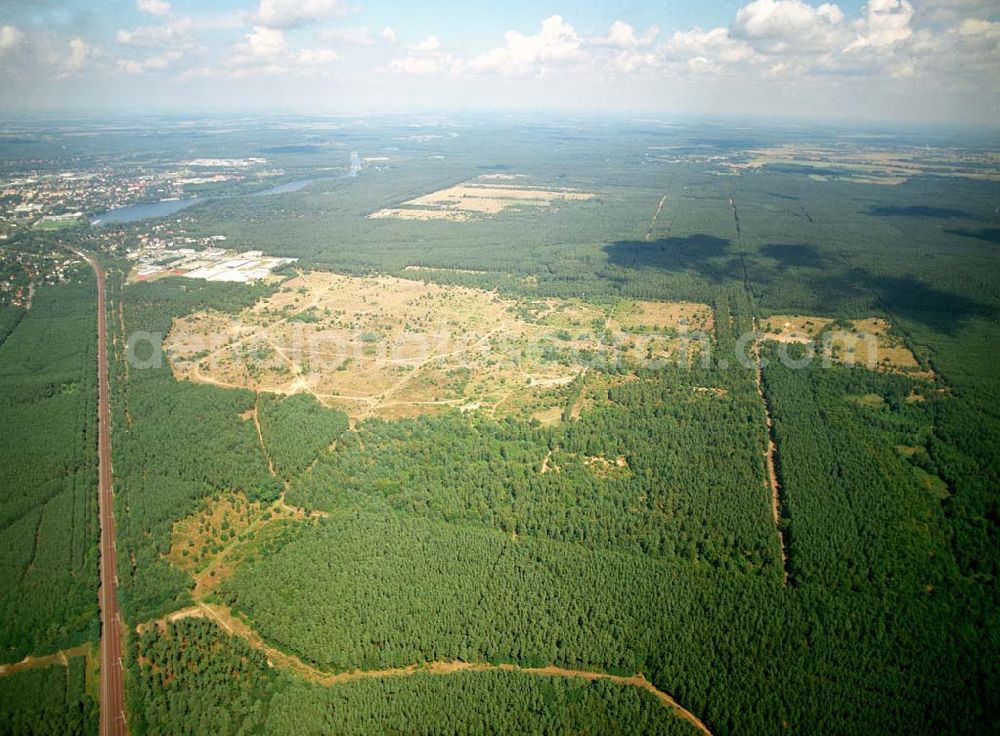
point(260, 436)
point(233, 626)
point(652, 223)
point(61, 658)
point(770, 454)
point(769, 459)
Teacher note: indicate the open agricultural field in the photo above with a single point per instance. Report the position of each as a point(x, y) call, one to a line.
point(481, 197)
point(391, 347)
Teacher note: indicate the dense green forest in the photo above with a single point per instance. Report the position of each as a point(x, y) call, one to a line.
point(48, 512)
point(692, 485)
point(193, 679)
point(482, 702)
point(49, 701)
point(879, 606)
point(175, 443)
point(296, 430)
point(9, 318)
point(636, 537)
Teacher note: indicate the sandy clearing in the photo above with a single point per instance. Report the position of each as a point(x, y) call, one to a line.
point(390, 347)
point(461, 202)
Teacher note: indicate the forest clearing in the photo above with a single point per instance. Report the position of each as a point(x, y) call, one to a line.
point(225, 531)
point(477, 198)
point(391, 347)
point(869, 342)
point(889, 168)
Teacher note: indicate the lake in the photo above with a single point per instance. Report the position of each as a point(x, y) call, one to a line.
point(136, 212)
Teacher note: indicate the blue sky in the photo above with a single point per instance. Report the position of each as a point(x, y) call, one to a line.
point(921, 60)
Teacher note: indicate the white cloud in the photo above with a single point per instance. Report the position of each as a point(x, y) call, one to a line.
point(953, 11)
point(10, 38)
point(788, 26)
point(262, 43)
point(150, 63)
point(556, 43)
point(266, 51)
point(290, 13)
point(715, 48)
point(178, 31)
point(79, 52)
point(886, 23)
point(316, 57)
point(154, 7)
point(425, 57)
point(628, 51)
point(359, 36)
point(416, 65)
point(175, 32)
point(622, 36)
point(627, 61)
point(975, 28)
point(389, 34)
point(430, 45)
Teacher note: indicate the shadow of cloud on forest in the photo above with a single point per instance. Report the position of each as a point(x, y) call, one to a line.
point(988, 234)
point(705, 255)
point(795, 256)
point(916, 301)
point(934, 213)
point(837, 289)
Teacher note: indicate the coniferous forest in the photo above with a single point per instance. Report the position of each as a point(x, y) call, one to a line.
point(623, 559)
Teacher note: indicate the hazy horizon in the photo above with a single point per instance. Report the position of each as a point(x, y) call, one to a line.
point(919, 61)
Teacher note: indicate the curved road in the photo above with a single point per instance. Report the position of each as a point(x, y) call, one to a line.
point(113, 721)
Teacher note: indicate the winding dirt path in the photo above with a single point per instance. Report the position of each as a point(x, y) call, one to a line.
point(61, 657)
point(276, 658)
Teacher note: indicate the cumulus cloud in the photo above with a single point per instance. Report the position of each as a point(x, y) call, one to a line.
point(262, 43)
point(10, 38)
point(359, 36)
point(789, 26)
point(951, 12)
point(177, 32)
point(171, 33)
point(291, 13)
point(388, 34)
point(150, 63)
point(976, 28)
point(316, 57)
point(622, 36)
point(556, 43)
point(154, 7)
point(266, 51)
point(886, 23)
point(424, 58)
point(430, 45)
point(79, 52)
point(709, 51)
